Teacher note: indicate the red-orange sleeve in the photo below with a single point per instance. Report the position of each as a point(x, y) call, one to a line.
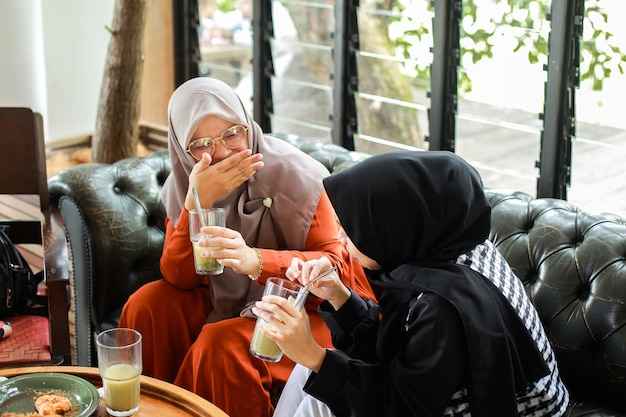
point(177, 264)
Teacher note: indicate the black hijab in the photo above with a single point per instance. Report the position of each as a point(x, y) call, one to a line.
point(405, 207)
point(414, 213)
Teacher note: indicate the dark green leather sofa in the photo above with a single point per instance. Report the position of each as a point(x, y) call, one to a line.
point(572, 263)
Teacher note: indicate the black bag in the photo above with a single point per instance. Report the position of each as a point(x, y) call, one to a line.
point(18, 284)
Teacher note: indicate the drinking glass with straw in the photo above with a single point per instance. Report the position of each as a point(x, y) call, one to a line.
point(198, 218)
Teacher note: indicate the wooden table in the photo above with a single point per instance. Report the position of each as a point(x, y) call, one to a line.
point(158, 398)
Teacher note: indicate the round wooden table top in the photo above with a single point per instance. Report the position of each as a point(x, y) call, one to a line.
point(158, 398)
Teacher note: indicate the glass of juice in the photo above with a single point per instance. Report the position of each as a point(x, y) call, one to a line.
point(197, 219)
point(261, 346)
point(120, 365)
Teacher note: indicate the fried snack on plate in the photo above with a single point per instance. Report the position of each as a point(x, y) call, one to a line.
point(52, 405)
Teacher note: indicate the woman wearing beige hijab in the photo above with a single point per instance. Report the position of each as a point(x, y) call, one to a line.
point(197, 330)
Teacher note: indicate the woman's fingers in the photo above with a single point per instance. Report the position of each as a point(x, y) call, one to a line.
point(276, 310)
point(241, 166)
point(294, 271)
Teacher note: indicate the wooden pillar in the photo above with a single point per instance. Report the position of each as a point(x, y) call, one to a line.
point(158, 76)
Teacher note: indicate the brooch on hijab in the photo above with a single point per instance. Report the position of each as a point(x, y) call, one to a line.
point(267, 202)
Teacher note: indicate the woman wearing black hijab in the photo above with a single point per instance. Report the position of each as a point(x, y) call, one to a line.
point(453, 333)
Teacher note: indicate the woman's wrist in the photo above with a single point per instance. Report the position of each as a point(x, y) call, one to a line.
point(315, 360)
point(189, 203)
point(257, 269)
point(338, 302)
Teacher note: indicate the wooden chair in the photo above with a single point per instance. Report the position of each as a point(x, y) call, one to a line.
point(25, 206)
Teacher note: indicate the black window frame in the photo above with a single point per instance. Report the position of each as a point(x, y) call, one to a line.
point(558, 117)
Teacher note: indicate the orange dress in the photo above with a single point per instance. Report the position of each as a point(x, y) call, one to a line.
point(212, 359)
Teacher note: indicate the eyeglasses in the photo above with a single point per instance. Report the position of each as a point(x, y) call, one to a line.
point(232, 138)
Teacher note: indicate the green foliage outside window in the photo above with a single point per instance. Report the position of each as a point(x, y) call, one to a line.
point(226, 6)
point(484, 21)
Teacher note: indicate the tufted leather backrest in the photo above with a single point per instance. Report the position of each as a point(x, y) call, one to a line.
point(114, 221)
point(334, 157)
point(573, 265)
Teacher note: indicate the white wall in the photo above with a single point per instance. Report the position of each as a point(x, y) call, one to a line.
point(64, 83)
point(22, 68)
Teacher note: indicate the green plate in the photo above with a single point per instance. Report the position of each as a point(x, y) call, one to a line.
point(18, 394)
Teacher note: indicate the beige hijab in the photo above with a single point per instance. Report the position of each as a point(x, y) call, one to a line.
point(272, 210)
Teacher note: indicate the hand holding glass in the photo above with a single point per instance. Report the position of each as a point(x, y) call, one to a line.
point(197, 219)
point(120, 365)
point(261, 346)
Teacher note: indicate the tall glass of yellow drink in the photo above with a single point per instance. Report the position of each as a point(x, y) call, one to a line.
point(120, 365)
point(198, 219)
point(261, 346)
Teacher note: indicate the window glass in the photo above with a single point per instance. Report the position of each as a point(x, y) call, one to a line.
point(225, 38)
point(599, 149)
point(502, 83)
point(392, 96)
point(302, 82)
point(502, 89)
